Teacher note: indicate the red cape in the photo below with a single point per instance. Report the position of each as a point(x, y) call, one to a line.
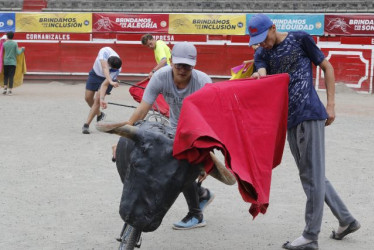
point(160, 105)
point(247, 120)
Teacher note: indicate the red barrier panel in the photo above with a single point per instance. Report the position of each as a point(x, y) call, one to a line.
point(351, 66)
point(352, 62)
point(358, 40)
point(71, 57)
point(78, 57)
point(42, 56)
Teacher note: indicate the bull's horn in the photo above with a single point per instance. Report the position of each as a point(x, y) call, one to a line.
point(117, 128)
point(220, 172)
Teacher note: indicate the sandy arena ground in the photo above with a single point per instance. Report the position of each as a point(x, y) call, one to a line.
point(60, 190)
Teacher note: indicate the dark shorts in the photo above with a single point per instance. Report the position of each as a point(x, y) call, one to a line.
point(94, 82)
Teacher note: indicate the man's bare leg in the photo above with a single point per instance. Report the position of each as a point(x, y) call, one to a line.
point(94, 111)
point(89, 97)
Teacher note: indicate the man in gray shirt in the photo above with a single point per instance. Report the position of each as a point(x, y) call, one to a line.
point(176, 82)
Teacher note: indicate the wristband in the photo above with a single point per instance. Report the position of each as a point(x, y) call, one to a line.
point(153, 71)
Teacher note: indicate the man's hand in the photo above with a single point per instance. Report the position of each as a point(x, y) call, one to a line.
point(255, 75)
point(103, 104)
point(331, 114)
point(114, 84)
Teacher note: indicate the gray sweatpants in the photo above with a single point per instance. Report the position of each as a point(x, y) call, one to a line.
point(307, 144)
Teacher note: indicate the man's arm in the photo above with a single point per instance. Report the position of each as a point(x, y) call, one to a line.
point(105, 67)
point(330, 90)
point(161, 64)
point(102, 93)
point(140, 112)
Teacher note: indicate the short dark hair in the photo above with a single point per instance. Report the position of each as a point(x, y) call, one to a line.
point(115, 62)
point(10, 34)
point(146, 38)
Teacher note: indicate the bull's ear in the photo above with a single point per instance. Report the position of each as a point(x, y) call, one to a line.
point(117, 128)
point(220, 172)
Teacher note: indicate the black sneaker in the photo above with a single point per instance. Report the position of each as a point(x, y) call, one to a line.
point(85, 129)
point(100, 117)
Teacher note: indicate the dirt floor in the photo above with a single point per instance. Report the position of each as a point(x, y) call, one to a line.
point(60, 190)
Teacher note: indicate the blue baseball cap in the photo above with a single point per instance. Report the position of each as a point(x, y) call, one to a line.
point(258, 28)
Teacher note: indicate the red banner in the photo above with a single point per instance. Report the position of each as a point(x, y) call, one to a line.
point(54, 36)
point(140, 23)
point(349, 24)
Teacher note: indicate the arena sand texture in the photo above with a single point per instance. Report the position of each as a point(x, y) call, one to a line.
point(60, 190)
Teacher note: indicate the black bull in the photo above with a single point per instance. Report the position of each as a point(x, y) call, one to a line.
point(152, 178)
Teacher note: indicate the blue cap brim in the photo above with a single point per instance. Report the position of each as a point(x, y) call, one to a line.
point(259, 38)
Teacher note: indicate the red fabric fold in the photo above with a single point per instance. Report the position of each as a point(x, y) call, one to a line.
point(247, 120)
point(160, 105)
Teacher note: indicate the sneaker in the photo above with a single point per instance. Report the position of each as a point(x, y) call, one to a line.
point(205, 201)
point(190, 222)
point(85, 129)
point(4, 93)
point(100, 117)
point(10, 92)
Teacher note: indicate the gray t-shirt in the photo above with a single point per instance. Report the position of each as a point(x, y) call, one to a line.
point(162, 82)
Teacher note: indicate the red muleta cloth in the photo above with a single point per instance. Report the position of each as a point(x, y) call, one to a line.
point(247, 120)
point(160, 105)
